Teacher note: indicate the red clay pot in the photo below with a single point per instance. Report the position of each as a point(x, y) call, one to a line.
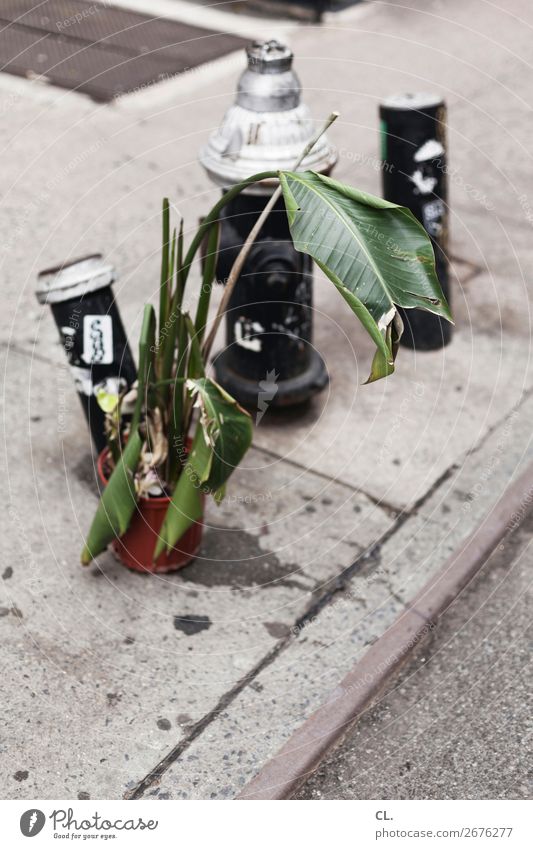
point(135, 548)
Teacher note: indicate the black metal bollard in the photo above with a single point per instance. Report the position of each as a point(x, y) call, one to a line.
point(413, 154)
point(269, 323)
point(91, 331)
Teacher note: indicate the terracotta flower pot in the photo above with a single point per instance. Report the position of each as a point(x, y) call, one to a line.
point(135, 548)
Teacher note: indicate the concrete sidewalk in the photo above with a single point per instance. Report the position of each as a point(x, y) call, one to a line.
point(336, 518)
point(457, 724)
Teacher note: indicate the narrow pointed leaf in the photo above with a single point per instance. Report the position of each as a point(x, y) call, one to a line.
point(180, 278)
point(178, 400)
point(195, 366)
point(146, 362)
point(164, 295)
point(117, 503)
point(165, 344)
point(169, 331)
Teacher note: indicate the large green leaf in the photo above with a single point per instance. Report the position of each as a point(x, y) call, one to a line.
point(117, 503)
point(226, 426)
point(376, 253)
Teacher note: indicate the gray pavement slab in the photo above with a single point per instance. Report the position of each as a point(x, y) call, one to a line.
point(395, 440)
point(262, 717)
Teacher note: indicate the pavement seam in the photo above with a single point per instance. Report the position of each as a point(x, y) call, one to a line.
point(525, 396)
point(367, 556)
point(388, 508)
point(155, 774)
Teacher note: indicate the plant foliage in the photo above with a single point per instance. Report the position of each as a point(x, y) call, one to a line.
point(186, 435)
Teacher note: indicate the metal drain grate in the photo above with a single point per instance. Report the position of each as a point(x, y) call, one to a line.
point(98, 49)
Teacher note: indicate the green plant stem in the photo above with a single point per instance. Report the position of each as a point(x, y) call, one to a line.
point(145, 363)
point(177, 416)
point(208, 276)
point(165, 263)
point(168, 345)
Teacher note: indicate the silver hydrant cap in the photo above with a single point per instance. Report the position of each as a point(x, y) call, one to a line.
point(269, 57)
point(267, 127)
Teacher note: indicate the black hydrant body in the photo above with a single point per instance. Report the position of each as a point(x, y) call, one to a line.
point(91, 332)
point(414, 174)
point(269, 323)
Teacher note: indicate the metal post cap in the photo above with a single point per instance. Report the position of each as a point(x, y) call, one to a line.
point(417, 101)
point(74, 279)
point(269, 57)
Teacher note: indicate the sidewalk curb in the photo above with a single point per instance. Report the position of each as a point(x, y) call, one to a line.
point(282, 776)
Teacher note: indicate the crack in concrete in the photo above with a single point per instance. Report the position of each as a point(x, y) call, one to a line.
point(372, 554)
point(14, 348)
point(389, 509)
point(155, 775)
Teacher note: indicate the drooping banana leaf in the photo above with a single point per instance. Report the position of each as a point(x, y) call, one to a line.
point(223, 435)
point(226, 426)
point(117, 503)
point(376, 253)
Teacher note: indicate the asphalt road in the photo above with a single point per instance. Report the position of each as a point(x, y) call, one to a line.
point(457, 724)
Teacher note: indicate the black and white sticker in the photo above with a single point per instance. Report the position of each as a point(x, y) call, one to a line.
point(98, 339)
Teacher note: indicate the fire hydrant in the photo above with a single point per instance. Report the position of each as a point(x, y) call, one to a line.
point(269, 359)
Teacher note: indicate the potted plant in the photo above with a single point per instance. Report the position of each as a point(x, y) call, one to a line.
point(178, 435)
